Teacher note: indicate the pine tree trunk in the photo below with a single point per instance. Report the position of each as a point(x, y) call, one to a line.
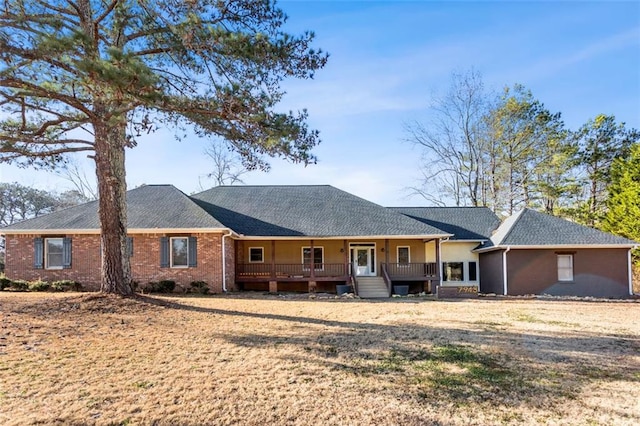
point(110, 169)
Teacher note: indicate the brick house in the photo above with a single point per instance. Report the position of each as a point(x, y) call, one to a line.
point(317, 238)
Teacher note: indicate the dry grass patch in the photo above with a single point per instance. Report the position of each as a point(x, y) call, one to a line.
point(248, 359)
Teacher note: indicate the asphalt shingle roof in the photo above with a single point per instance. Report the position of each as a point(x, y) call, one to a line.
point(313, 211)
point(531, 228)
point(148, 207)
point(465, 223)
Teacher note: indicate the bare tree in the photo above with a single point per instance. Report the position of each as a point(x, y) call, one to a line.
point(84, 186)
point(227, 167)
point(453, 143)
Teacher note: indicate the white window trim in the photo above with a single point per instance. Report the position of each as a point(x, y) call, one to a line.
point(46, 254)
point(305, 266)
point(570, 268)
point(261, 255)
point(171, 252)
point(408, 257)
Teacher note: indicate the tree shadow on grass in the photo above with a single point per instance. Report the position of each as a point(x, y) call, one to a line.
point(467, 364)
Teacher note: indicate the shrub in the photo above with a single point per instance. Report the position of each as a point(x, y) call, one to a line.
point(164, 286)
point(200, 287)
point(66, 285)
point(150, 287)
point(39, 285)
point(19, 285)
point(4, 283)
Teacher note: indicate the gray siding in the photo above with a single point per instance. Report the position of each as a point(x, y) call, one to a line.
point(596, 273)
point(491, 272)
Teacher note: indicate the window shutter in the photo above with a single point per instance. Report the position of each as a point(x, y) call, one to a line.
point(38, 253)
point(129, 246)
point(473, 271)
point(66, 253)
point(164, 252)
point(193, 252)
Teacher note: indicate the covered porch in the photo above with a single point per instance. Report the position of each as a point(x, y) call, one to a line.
point(323, 264)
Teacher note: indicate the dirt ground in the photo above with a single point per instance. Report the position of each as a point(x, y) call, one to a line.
point(253, 359)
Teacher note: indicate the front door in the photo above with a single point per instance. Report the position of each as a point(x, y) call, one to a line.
point(363, 259)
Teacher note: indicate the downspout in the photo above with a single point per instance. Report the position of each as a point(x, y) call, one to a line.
point(224, 262)
point(439, 259)
point(504, 270)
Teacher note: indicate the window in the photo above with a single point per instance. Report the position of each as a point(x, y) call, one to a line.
point(318, 257)
point(403, 256)
point(53, 249)
point(52, 253)
point(256, 254)
point(453, 271)
point(473, 271)
point(178, 252)
point(565, 267)
point(372, 250)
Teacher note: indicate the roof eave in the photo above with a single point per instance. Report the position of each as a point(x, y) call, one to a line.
point(95, 231)
point(554, 246)
point(343, 237)
point(454, 240)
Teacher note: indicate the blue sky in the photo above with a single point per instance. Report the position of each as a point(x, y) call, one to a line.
point(387, 61)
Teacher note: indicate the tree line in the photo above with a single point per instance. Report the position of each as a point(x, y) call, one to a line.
point(507, 151)
point(19, 202)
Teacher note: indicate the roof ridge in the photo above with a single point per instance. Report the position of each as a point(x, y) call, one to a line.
point(510, 223)
point(270, 186)
point(213, 188)
point(438, 207)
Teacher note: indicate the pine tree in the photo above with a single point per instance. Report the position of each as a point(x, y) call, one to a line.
point(92, 75)
point(623, 204)
point(601, 141)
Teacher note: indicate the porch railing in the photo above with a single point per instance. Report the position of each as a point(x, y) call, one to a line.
point(289, 270)
point(412, 270)
point(393, 271)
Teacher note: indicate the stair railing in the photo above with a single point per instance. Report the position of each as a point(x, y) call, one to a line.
point(386, 278)
point(354, 280)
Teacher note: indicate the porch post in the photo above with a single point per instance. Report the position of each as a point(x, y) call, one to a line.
point(347, 267)
point(273, 260)
point(434, 290)
point(312, 278)
point(313, 266)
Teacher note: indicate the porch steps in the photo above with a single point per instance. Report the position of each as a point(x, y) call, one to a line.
point(372, 288)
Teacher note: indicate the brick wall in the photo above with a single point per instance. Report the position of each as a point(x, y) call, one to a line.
point(85, 260)
point(145, 262)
